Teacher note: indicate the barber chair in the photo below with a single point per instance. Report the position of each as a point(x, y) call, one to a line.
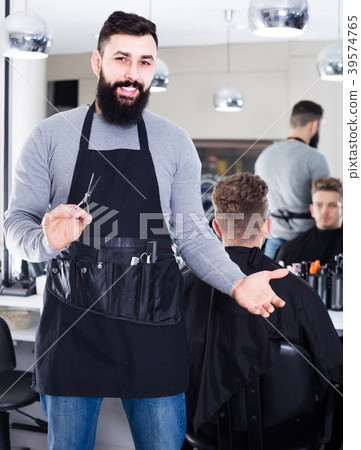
point(15, 388)
point(280, 410)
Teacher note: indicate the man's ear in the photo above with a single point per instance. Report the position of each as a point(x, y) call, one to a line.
point(216, 228)
point(314, 125)
point(96, 62)
point(311, 210)
point(266, 228)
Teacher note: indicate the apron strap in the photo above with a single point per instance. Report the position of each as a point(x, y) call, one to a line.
point(142, 134)
point(85, 132)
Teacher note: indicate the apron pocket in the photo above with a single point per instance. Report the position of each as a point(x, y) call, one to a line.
point(168, 291)
point(91, 287)
point(147, 293)
point(125, 290)
point(80, 284)
point(58, 279)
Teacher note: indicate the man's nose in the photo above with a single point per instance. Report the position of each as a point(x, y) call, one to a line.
point(131, 72)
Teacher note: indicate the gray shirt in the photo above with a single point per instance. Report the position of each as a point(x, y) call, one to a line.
point(44, 174)
point(289, 168)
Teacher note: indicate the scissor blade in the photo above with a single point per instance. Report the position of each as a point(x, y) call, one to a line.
point(90, 183)
point(93, 187)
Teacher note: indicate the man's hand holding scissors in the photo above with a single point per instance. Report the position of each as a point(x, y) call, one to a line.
point(65, 223)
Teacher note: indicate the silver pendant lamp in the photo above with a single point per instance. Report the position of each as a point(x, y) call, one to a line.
point(330, 59)
point(27, 36)
point(228, 98)
point(161, 75)
point(278, 18)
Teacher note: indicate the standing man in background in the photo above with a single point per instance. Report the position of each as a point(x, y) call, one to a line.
point(289, 168)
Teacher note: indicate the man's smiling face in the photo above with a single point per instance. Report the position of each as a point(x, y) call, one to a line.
point(125, 69)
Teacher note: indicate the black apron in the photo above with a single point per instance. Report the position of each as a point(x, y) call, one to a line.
point(112, 324)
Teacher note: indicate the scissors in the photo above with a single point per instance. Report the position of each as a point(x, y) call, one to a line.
point(87, 195)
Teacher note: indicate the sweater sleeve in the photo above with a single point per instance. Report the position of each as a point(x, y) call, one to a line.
point(198, 245)
point(29, 201)
point(318, 166)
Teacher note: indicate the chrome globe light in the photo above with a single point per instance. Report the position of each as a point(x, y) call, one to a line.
point(330, 62)
point(29, 36)
point(278, 18)
point(228, 98)
point(161, 77)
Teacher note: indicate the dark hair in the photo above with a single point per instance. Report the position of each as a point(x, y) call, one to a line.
point(241, 193)
point(124, 23)
point(327, 184)
point(305, 112)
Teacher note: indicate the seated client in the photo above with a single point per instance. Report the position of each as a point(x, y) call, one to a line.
point(324, 240)
point(229, 347)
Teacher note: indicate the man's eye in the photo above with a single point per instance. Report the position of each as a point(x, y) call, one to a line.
point(145, 63)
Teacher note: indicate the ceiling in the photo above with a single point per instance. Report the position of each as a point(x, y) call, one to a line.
point(179, 22)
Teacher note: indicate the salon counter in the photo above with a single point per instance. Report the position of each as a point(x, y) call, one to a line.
point(34, 303)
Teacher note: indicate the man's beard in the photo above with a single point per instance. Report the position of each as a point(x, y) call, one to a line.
point(121, 110)
point(314, 140)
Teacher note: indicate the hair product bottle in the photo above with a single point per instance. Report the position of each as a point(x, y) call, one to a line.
point(337, 285)
point(324, 285)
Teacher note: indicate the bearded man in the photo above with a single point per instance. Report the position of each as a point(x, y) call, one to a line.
point(289, 167)
point(112, 324)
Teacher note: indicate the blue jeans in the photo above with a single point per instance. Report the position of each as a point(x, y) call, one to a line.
point(155, 423)
point(272, 245)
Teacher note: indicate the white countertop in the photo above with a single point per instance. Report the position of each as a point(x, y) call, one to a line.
point(337, 319)
point(30, 302)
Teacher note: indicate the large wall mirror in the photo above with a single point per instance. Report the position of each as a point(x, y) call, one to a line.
point(272, 75)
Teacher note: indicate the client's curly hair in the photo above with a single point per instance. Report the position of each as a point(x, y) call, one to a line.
point(241, 193)
point(327, 184)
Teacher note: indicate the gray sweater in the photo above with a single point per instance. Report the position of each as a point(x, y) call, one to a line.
point(44, 173)
point(289, 168)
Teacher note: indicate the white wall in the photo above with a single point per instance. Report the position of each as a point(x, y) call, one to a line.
point(272, 77)
point(27, 107)
point(28, 100)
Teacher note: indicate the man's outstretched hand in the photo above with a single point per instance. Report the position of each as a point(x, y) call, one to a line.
point(256, 295)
